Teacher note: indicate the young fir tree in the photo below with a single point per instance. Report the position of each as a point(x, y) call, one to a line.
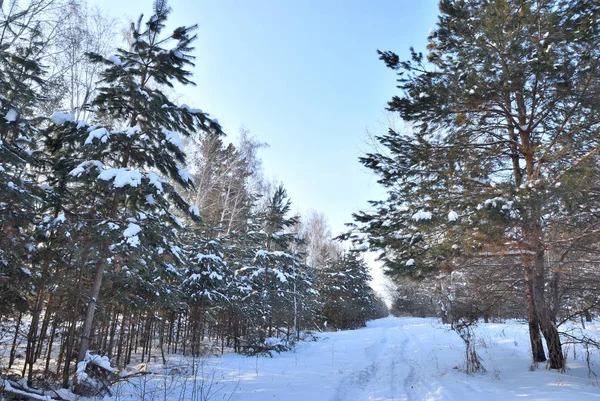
point(505, 115)
point(346, 298)
point(124, 162)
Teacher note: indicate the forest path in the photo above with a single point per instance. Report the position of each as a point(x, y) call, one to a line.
point(393, 374)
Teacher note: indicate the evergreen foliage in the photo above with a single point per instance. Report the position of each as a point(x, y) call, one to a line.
point(504, 108)
point(109, 244)
point(345, 295)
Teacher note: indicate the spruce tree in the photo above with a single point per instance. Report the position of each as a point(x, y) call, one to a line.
point(505, 114)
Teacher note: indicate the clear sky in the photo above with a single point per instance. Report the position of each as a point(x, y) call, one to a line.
point(304, 77)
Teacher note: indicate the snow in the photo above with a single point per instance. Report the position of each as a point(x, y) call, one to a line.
point(100, 361)
point(27, 395)
point(131, 234)
point(150, 199)
point(452, 216)
point(61, 118)
point(115, 60)
point(101, 134)
point(122, 177)
point(185, 176)
point(131, 131)
point(156, 181)
point(422, 215)
point(392, 359)
point(280, 276)
point(194, 210)
point(190, 109)
point(11, 115)
point(60, 218)
point(174, 138)
point(82, 167)
point(132, 229)
point(14, 187)
point(215, 275)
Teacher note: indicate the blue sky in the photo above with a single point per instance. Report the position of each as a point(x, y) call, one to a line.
point(304, 77)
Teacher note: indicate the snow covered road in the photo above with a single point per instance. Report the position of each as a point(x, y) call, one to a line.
point(394, 359)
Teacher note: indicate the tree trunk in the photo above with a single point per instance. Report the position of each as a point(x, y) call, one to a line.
point(45, 323)
point(535, 281)
point(13, 348)
point(91, 309)
point(50, 344)
point(69, 342)
point(121, 337)
point(537, 348)
point(547, 325)
point(32, 334)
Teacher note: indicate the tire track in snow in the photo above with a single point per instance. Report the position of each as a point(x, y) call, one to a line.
point(390, 366)
point(418, 383)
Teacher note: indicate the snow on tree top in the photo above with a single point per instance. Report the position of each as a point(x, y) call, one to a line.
point(185, 176)
point(194, 210)
point(452, 216)
point(422, 215)
point(77, 171)
point(122, 177)
point(61, 118)
point(189, 109)
point(215, 275)
point(60, 218)
point(11, 115)
point(132, 229)
point(131, 234)
point(15, 187)
point(156, 181)
point(131, 131)
point(101, 134)
point(211, 256)
point(115, 60)
point(174, 138)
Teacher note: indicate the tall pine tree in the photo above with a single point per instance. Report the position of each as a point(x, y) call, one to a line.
point(125, 166)
point(505, 114)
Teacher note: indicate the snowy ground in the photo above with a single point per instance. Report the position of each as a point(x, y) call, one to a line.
point(391, 359)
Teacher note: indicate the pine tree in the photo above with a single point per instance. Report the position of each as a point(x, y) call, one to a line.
point(504, 109)
point(123, 164)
